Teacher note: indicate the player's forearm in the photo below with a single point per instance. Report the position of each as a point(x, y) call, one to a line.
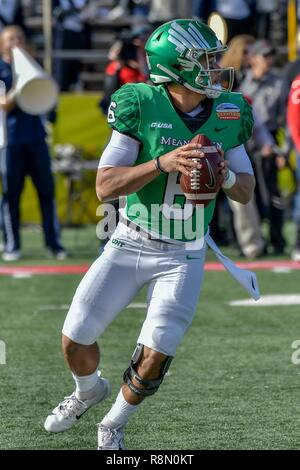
point(120, 181)
point(242, 190)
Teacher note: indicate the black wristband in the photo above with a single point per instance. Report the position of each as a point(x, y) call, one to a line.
point(157, 165)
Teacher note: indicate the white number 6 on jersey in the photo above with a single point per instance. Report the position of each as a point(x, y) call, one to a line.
point(111, 117)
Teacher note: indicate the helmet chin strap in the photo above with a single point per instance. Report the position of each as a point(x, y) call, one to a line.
point(214, 91)
point(211, 92)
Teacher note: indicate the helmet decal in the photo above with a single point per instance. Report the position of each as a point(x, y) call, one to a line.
point(186, 39)
point(186, 64)
point(197, 34)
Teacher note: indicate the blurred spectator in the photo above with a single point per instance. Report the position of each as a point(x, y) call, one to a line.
point(130, 7)
point(26, 153)
point(293, 122)
point(264, 10)
point(290, 72)
point(139, 35)
point(124, 68)
point(72, 31)
point(237, 56)
point(246, 220)
point(237, 14)
point(203, 8)
point(263, 86)
point(261, 145)
point(11, 12)
point(164, 10)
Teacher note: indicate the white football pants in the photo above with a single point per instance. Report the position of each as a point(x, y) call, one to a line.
point(174, 276)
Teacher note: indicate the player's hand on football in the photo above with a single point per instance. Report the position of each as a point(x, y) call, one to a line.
point(223, 167)
point(181, 159)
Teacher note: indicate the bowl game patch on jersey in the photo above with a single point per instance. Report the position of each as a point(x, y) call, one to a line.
point(228, 111)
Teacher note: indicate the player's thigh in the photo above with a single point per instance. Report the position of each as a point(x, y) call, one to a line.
point(107, 288)
point(172, 301)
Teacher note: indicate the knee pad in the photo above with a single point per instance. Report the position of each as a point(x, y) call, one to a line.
point(149, 387)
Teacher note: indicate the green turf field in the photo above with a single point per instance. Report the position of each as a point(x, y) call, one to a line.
point(232, 384)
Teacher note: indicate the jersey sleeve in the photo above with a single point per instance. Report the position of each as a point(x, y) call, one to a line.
point(124, 110)
point(247, 122)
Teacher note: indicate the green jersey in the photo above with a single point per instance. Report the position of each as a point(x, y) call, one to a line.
point(146, 113)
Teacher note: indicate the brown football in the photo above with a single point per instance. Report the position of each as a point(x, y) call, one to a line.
point(202, 186)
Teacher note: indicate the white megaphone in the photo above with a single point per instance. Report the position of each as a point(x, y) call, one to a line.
point(35, 91)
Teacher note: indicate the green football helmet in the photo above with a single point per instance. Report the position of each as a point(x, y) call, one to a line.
point(184, 51)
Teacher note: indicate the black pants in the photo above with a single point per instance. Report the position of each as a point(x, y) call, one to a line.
point(275, 206)
point(17, 161)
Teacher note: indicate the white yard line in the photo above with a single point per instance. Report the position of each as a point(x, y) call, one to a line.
point(137, 305)
point(268, 301)
point(48, 308)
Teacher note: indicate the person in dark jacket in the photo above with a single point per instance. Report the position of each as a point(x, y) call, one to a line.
point(26, 153)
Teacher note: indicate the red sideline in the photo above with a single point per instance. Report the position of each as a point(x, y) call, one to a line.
point(82, 268)
point(56, 269)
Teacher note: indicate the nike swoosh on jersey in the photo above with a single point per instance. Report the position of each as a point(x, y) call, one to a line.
point(219, 129)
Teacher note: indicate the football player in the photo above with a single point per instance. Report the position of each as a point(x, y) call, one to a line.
point(152, 127)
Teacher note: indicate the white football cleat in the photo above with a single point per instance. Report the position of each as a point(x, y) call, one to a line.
point(296, 254)
point(69, 411)
point(14, 255)
point(110, 439)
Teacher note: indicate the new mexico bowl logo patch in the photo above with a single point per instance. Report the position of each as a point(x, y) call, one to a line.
point(228, 111)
